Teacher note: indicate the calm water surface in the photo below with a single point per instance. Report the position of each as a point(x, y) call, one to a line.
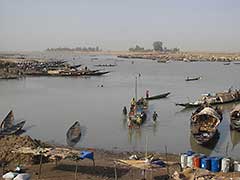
point(52, 104)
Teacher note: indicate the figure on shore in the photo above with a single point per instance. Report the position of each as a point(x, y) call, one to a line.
point(154, 116)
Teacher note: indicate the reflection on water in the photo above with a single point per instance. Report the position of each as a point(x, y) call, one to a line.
point(207, 150)
point(235, 138)
point(134, 135)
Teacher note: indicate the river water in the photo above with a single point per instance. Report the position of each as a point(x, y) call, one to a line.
point(50, 105)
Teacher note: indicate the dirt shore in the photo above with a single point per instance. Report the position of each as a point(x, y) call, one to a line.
point(104, 168)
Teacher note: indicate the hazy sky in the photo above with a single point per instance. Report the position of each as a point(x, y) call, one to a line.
point(119, 24)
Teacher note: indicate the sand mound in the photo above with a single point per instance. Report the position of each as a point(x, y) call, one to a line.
point(11, 143)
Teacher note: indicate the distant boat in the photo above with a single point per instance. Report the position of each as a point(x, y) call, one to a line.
point(105, 65)
point(227, 63)
point(158, 96)
point(75, 66)
point(235, 118)
point(192, 78)
point(237, 62)
point(74, 134)
point(204, 123)
point(162, 61)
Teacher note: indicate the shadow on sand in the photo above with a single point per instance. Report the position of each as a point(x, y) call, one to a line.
point(102, 171)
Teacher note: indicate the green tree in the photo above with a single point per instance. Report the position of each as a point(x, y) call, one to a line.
point(158, 46)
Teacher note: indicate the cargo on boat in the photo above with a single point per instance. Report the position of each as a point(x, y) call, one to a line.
point(204, 123)
point(138, 113)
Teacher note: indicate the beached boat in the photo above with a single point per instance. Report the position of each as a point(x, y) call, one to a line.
point(214, 99)
point(158, 96)
point(235, 118)
point(7, 121)
point(74, 134)
point(192, 78)
point(14, 129)
point(204, 123)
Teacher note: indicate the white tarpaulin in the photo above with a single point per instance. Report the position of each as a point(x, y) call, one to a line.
point(22, 176)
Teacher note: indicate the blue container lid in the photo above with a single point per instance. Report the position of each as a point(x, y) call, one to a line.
point(189, 152)
point(206, 159)
point(216, 158)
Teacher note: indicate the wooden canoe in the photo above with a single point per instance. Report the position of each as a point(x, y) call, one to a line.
point(74, 134)
point(158, 96)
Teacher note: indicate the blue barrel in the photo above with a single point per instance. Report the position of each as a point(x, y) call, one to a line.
point(206, 163)
point(190, 153)
point(215, 164)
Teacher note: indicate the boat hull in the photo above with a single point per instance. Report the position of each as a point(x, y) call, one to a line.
point(74, 134)
point(158, 96)
point(204, 123)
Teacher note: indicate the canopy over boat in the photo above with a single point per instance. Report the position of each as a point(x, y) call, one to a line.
point(204, 123)
point(235, 118)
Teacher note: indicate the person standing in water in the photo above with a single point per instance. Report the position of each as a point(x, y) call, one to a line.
point(154, 116)
point(147, 94)
point(124, 110)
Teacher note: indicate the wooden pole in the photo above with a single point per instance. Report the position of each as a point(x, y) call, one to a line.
point(146, 147)
point(2, 168)
point(167, 161)
point(136, 90)
point(76, 169)
point(40, 166)
point(115, 171)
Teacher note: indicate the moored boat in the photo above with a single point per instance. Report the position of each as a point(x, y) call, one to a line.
point(218, 98)
point(74, 134)
point(15, 129)
point(235, 118)
point(204, 123)
point(158, 96)
point(7, 121)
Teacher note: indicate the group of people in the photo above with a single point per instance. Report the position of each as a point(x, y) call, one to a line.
point(141, 102)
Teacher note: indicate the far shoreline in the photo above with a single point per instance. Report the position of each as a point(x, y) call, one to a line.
point(151, 55)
